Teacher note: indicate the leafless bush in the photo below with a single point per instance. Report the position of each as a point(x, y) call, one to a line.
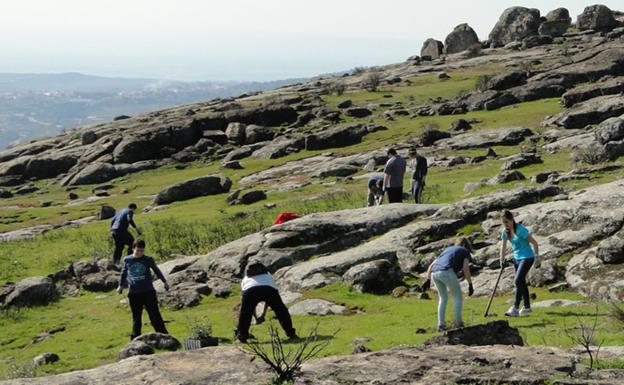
point(372, 81)
point(474, 50)
point(358, 70)
point(617, 313)
point(481, 84)
point(337, 88)
point(592, 154)
point(285, 362)
point(585, 335)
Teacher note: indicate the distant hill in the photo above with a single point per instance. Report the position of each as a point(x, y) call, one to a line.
point(33, 105)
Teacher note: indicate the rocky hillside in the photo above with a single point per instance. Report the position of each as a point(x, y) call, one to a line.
point(530, 120)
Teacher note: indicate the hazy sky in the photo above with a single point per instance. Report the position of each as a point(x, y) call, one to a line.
point(233, 39)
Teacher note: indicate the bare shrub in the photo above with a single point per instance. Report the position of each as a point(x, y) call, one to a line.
point(585, 335)
point(481, 83)
point(286, 362)
point(372, 81)
point(592, 154)
point(474, 50)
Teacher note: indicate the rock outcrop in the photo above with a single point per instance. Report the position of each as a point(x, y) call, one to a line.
point(462, 38)
point(596, 17)
point(432, 48)
point(515, 24)
point(192, 188)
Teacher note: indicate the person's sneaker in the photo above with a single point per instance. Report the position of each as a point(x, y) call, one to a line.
point(525, 310)
point(441, 328)
point(458, 326)
point(512, 312)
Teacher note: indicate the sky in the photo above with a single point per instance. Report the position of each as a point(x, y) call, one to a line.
point(194, 40)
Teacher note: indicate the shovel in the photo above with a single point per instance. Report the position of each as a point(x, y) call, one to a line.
point(500, 274)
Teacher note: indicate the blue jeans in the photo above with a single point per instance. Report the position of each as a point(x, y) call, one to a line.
point(447, 280)
point(416, 190)
point(522, 268)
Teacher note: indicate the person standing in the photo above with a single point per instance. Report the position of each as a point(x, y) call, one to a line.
point(375, 191)
point(444, 272)
point(394, 171)
point(119, 231)
point(258, 286)
point(137, 277)
point(419, 165)
point(523, 259)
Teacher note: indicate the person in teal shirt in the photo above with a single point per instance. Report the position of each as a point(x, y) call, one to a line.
point(523, 258)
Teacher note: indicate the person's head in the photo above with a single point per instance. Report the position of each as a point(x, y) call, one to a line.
point(132, 206)
point(138, 248)
point(391, 152)
point(255, 267)
point(413, 153)
point(464, 242)
point(509, 222)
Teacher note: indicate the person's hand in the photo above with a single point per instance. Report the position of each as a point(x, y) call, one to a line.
point(259, 319)
point(470, 289)
point(502, 262)
point(426, 285)
point(138, 230)
point(166, 286)
point(119, 289)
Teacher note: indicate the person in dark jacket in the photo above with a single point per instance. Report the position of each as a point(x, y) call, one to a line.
point(393, 176)
point(137, 277)
point(258, 286)
point(119, 231)
point(375, 191)
point(419, 165)
point(444, 271)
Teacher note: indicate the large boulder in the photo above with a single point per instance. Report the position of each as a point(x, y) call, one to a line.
point(379, 277)
point(610, 130)
point(31, 291)
point(432, 48)
point(156, 142)
point(486, 138)
point(596, 17)
point(515, 24)
point(335, 137)
point(591, 111)
point(279, 147)
point(94, 173)
point(192, 188)
point(520, 160)
point(236, 132)
point(556, 24)
point(50, 165)
point(607, 86)
point(507, 80)
point(462, 38)
point(255, 134)
point(358, 112)
point(106, 212)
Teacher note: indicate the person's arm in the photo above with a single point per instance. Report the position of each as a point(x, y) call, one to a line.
point(158, 273)
point(427, 283)
point(466, 269)
point(385, 182)
point(122, 278)
point(533, 243)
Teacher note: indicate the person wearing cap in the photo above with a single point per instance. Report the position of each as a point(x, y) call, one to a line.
point(394, 171)
point(258, 286)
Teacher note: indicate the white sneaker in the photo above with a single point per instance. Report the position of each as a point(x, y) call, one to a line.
point(512, 312)
point(525, 310)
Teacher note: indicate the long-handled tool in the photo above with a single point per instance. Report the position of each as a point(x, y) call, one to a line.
point(500, 274)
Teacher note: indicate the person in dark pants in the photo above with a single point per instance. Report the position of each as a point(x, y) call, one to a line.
point(136, 275)
point(419, 165)
point(394, 171)
point(258, 286)
point(119, 231)
point(523, 258)
point(375, 191)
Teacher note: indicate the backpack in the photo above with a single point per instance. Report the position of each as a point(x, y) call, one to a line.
point(285, 217)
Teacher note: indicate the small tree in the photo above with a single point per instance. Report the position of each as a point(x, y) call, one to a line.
point(338, 88)
point(286, 363)
point(481, 84)
point(372, 81)
point(592, 154)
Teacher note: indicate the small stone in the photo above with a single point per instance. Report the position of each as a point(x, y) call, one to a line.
point(46, 203)
point(45, 358)
point(399, 291)
point(72, 196)
point(421, 331)
point(424, 296)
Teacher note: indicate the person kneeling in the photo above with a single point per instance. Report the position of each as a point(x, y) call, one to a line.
point(444, 270)
point(258, 286)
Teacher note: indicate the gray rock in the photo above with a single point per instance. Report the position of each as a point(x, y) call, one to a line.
point(515, 24)
point(358, 112)
point(94, 173)
point(378, 277)
point(159, 341)
point(192, 188)
point(611, 250)
point(556, 303)
point(340, 136)
point(279, 147)
point(591, 111)
point(316, 307)
point(556, 24)
point(135, 348)
point(337, 170)
point(255, 134)
point(596, 17)
point(345, 104)
point(521, 160)
point(506, 176)
point(507, 80)
point(26, 189)
point(209, 137)
point(608, 86)
point(252, 197)
point(4, 193)
point(31, 292)
point(486, 138)
point(236, 132)
point(106, 212)
point(460, 125)
point(432, 48)
point(462, 38)
point(233, 164)
point(611, 129)
point(492, 333)
point(45, 359)
point(88, 137)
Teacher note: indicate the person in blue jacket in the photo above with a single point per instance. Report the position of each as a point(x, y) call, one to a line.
point(523, 259)
point(136, 275)
point(119, 231)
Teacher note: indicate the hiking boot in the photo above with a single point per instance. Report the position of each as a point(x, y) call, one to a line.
point(441, 328)
point(512, 312)
point(525, 310)
point(458, 326)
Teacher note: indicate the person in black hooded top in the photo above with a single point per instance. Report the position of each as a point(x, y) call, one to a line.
point(258, 286)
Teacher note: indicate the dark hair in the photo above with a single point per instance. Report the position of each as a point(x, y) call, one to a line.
point(132, 206)
point(255, 268)
point(392, 151)
point(464, 242)
point(509, 216)
point(138, 243)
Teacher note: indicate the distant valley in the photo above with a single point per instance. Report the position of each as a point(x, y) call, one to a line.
point(35, 105)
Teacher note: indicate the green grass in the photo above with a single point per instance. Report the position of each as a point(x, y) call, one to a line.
point(97, 326)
